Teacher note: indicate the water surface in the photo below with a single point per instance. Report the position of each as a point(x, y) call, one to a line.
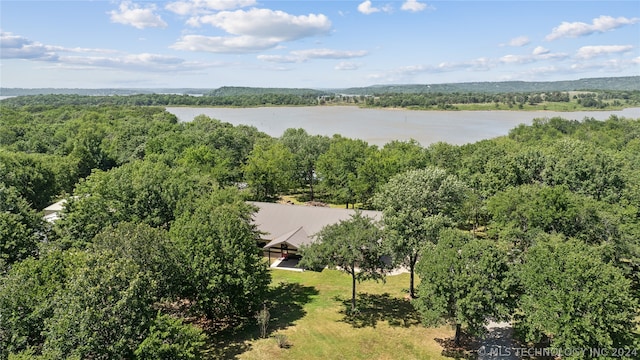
point(379, 126)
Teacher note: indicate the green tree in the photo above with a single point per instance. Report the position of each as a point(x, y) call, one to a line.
point(102, 311)
point(520, 213)
point(306, 150)
point(215, 163)
point(226, 275)
point(585, 169)
point(352, 245)
point(514, 168)
point(573, 298)
point(83, 218)
point(464, 281)
point(445, 155)
point(150, 249)
point(338, 168)
point(105, 307)
point(30, 175)
point(269, 170)
point(26, 292)
point(21, 228)
point(170, 339)
point(233, 143)
point(380, 165)
point(141, 191)
point(89, 150)
point(416, 204)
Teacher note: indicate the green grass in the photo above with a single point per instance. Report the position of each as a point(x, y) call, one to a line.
point(309, 309)
point(544, 106)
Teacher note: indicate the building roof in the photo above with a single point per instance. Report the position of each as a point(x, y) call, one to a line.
point(55, 207)
point(52, 212)
point(297, 224)
point(293, 238)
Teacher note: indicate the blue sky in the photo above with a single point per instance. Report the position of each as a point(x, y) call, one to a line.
point(312, 44)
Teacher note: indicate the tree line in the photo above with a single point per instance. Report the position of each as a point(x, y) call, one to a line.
point(540, 226)
point(240, 97)
point(624, 83)
point(511, 100)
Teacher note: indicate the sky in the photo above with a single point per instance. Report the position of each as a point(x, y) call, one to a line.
point(312, 44)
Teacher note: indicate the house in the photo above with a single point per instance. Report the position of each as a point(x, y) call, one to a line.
point(51, 212)
point(286, 227)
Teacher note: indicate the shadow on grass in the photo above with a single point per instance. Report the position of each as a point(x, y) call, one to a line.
point(372, 308)
point(466, 350)
point(286, 305)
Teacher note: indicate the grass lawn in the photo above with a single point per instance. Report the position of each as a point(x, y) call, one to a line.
point(544, 106)
point(309, 309)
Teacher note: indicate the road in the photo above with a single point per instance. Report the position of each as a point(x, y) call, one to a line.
point(498, 343)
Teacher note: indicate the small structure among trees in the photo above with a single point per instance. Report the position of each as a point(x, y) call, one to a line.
point(286, 228)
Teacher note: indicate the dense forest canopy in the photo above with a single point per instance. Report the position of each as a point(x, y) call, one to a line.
point(155, 251)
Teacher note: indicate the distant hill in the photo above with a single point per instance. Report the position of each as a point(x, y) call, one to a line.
point(98, 92)
point(610, 83)
point(606, 83)
point(238, 90)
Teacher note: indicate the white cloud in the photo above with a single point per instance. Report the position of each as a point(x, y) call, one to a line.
point(517, 41)
point(538, 54)
point(266, 23)
point(481, 64)
point(283, 59)
point(535, 73)
point(136, 16)
point(196, 7)
point(598, 25)
point(346, 65)
point(515, 59)
point(367, 8)
point(138, 60)
point(552, 56)
point(405, 73)
point(299, 56)
point(414, 6)
point(18, 47)
point(588, 52)
point(607, 66)
point(253, 30)
point(412, 70)
point(219, 44)
point(143, 62)
point(521, 66)
point(329, 54)
point(539, 50)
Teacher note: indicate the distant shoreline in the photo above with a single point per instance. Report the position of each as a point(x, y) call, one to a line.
point(528, 108)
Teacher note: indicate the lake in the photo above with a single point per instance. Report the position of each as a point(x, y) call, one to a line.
point(379, 126)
